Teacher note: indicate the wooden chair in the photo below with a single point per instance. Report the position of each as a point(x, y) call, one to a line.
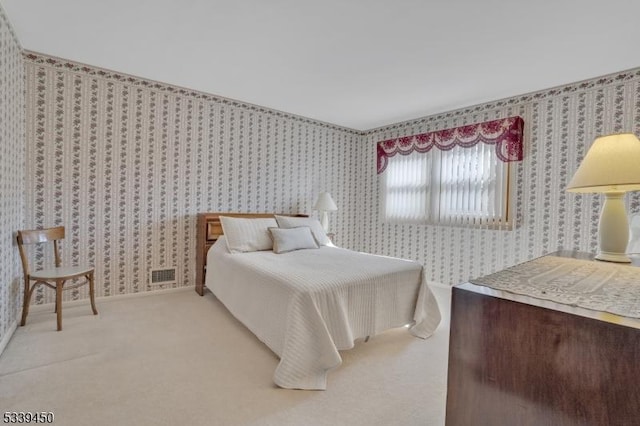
point(54, 278)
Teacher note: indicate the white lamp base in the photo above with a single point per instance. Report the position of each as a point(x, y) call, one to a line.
point(324, 220)
point(613, 229)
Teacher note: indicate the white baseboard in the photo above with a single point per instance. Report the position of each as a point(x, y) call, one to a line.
point(103, 299)
point(5, 340)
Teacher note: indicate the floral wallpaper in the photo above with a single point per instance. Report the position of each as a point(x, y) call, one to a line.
point(559, 126)
point(12, 183)
point(126, 164)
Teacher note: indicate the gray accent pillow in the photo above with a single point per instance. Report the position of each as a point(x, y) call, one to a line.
point(290, 239)
point(313, 223)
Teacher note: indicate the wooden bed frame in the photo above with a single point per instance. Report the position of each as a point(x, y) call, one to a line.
point(209, 229)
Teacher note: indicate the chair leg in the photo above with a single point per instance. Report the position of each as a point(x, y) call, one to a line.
point(92, 293)
point(26, 302)
point(59, 285)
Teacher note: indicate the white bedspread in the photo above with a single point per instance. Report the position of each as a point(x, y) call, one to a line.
point(308, 304)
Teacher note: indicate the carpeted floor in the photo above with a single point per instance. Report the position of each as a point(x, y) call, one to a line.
point(178, 358)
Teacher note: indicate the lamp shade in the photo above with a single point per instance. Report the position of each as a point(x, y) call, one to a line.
point(612, 164)
point(325, 203)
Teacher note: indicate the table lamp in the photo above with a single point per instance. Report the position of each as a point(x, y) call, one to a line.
point(611, 166)
point(325, 204)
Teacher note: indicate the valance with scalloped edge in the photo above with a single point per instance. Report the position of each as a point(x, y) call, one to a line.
point(505, 134)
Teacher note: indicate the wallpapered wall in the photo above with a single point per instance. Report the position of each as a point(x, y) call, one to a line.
point(126, 164)
point(12, 185)
point(560, 125)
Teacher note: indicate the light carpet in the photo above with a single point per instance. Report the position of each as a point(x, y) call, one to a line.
point(178, 358)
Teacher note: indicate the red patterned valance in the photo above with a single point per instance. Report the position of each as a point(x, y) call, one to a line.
point(505, 134)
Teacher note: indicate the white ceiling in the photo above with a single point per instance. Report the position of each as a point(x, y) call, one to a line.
point(356, 63)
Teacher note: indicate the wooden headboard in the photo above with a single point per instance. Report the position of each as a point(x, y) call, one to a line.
point(209, 229)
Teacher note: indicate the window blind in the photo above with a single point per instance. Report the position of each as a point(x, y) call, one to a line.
point(460, 187)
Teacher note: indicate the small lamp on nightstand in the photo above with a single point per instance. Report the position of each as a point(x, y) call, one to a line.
point(325, 204)
point(611, 166)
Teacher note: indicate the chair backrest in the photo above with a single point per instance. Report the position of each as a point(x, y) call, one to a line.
point(35, 236)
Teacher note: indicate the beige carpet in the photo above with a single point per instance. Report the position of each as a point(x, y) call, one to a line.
point(178, 358)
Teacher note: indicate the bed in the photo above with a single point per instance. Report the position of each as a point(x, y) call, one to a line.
point(307, 305)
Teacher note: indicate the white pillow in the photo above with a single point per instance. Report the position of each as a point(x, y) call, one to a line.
point(245, 235)
point(314, 224)
point(290, 239)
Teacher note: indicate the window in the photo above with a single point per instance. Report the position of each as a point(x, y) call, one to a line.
point(460, 186)
point(456, 176)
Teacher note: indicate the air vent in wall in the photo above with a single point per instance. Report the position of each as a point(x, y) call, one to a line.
point(162, 276)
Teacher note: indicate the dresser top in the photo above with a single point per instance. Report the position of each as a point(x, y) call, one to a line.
point(571, 282)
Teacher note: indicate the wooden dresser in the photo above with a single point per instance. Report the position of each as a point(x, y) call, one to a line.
point(519, 360)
